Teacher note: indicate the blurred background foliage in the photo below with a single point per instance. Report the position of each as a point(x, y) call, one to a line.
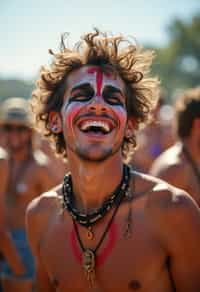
point(177, 64)
point(15, 88)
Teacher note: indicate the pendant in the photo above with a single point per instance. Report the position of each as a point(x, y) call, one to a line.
point(90, 234)
point(88, 262)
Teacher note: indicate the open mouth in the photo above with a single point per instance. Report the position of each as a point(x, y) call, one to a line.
point(95, 127)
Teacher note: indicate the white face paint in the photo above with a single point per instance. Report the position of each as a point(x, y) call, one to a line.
point(94, 113)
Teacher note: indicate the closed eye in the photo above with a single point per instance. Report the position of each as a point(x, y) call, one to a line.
point(114, 100)
point(80, 97)
point(113, 96)
point(82, 94)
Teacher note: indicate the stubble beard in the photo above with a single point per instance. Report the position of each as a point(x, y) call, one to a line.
point(86, 155)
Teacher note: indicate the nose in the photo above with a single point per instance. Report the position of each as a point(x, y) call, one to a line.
point(97, 104)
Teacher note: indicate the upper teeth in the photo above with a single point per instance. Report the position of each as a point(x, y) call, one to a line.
point(87, 124)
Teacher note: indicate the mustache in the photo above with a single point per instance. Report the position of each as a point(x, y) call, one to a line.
point(92, 115)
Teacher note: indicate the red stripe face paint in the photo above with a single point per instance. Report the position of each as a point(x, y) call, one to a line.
point(99, 78)
point(93, 95)
point(101, 255)
point(71, 111)
point(77, 106)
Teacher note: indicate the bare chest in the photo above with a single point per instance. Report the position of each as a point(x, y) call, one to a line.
point(137, 263)
point(23, 185)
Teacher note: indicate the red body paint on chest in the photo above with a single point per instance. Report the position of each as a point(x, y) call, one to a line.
point(101, 256)
point(99, 78)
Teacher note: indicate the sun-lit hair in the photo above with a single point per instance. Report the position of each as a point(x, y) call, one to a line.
point(187, 108)
point(117, 54)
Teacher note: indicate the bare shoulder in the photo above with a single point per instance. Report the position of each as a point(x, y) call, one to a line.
point(41, 162)
point(4, 166)
point(168, 161)
point(43, 170)
point(170, 210)
point(41, 159)
point(168, 198)
point(44, 204)
point(170, 167)
point(3, 154)
point(162, 200)
point(3, 159)
point(45, 201)
point(40, 212)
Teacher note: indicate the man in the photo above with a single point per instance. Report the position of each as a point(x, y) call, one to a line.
point(107, 228)
point(25, 175)
point(179, 165)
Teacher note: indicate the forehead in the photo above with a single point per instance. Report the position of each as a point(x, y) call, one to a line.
point(88, 74)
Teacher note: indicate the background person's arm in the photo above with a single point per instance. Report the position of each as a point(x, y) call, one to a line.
point(7, 247)
point(35, 220)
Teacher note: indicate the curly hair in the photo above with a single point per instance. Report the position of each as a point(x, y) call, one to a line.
point(112, 53)
point(187, 108)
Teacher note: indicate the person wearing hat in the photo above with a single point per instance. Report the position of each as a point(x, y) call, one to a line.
point(28, 173)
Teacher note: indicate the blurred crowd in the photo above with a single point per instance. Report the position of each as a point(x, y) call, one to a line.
point(28, 168)
point(169, 148)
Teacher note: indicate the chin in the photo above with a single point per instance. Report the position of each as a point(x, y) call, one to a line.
point(94, 156)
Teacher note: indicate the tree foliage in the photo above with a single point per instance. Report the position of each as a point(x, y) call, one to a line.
point(15, 88)
point(178, 64)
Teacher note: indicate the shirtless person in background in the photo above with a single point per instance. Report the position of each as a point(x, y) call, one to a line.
point(26, 177)
point(180, 164)
point(107, 228)
point(58, 164)
point(3, 175)
point(8, 250)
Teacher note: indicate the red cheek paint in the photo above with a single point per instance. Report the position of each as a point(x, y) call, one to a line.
point(99, 78)
point(70, 114)
point(103, 255)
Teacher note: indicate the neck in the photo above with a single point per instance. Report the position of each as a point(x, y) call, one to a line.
point(193, 148)
point(94, 182)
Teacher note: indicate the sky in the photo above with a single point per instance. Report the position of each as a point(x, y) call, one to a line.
point(29, 28)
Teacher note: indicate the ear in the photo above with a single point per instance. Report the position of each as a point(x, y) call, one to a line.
point(55, 122)
point(130, 127)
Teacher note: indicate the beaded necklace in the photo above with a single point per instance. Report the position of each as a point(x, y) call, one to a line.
point(87, 220)
point(89, 255)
